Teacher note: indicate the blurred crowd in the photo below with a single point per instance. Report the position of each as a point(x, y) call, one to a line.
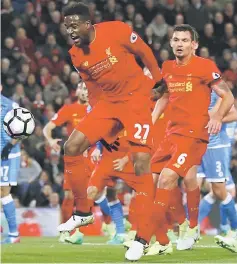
point(37, 73)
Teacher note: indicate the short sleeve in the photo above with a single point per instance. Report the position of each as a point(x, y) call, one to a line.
point(212, 74)
point(60, 117)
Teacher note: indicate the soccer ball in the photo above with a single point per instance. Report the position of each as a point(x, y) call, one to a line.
point(19, 123)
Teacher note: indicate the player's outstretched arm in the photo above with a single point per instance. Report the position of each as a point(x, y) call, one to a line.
point(223, 91)
point(48, 135)
point(160, 107)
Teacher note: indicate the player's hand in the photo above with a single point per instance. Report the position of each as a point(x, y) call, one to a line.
point(6, 151)
point(54, 144)
point(110, 147)
point(95, 156)
point(214, 124)
point(119, 164)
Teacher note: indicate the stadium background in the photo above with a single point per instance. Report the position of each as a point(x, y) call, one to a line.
point(36, 70)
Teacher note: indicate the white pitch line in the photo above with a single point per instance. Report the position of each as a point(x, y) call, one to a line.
point(104, 244)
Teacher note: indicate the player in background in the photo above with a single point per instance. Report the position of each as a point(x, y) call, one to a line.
point(75, 183)
point(215, 168)
point(10, 165)
point(188, 79)
point(118, 165)
point(229, 241)
point(70, 114)
point(230, 185)
point(106, 61)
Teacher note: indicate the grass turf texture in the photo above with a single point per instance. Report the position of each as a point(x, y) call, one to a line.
point(94, 250)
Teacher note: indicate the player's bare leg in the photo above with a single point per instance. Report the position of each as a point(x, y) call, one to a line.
point(10, 214)
point(76, 144)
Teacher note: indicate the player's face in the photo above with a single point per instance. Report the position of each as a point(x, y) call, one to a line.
point(77, 29)
point(182, 44)
point(82, 92)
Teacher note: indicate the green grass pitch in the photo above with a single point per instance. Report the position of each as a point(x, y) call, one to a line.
point(95, 250)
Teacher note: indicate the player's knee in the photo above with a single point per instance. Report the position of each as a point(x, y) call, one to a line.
point(232, 192)
point(219, 190)
point(5, 190)
point(190, 183)
point(190, 180)
point(168, 179)
point(92, 193)
point(76, 144)
point(141, 163)
point(68, 195)
point(71, 149)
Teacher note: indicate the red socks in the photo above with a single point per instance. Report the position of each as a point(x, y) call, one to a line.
point(67, 209)
point(193, 200)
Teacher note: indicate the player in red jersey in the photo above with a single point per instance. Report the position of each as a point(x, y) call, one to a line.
point(75, 183)
point(118, 164)
point(189, 80)
point(104, 55)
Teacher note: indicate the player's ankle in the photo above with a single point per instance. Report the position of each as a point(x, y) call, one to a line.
point(141, 240)
point(79, 213)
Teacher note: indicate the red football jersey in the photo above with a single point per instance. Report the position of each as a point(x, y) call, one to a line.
point(189, 95)
point(70, 114)
point(109, 62)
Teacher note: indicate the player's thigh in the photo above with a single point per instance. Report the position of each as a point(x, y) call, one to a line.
point(215, 165)
point(76, 144)
point(138, 124)
point(98, 123)
point(161, 156)
point(68, 194)
point(186, 152)
point(10, 171)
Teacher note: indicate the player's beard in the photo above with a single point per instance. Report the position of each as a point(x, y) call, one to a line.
point(84, 41)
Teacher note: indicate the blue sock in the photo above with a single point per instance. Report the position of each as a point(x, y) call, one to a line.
point(104, 205)
point(228, 207)
point(186, 210)
point(205, 207)
point(117, 216)
point(10, 214)
point(223, 216)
